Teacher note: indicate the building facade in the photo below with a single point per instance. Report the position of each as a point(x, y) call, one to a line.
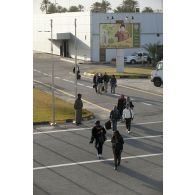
point(87, 29)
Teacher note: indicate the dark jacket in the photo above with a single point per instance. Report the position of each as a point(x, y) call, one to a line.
point(106, 78)
point(117, 143)
point(114, 114)
point(99, 134)
point(95, 79)
point(113, 81)
point(78, 104)
point(99, 79)
point(121, 103)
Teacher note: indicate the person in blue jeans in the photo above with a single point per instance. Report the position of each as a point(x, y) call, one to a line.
point(113, 83)
point(114, 117)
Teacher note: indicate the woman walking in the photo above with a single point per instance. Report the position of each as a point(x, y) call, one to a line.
point(128, 115)
point(117, 147)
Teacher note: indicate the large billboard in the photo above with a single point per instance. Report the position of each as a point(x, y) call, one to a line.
point(124, 35)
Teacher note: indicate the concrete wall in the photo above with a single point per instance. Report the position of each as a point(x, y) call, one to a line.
point(63, 23)
point(88, 32)
point(151, 25)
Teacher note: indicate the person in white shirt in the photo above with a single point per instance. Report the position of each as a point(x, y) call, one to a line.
point(128, 115)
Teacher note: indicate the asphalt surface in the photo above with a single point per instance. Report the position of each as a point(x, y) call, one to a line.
point(65, 162)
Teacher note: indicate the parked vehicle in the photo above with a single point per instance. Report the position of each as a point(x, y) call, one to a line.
point(157, 75)
point(138, 57)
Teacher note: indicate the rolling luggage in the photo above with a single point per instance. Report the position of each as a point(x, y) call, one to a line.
point(108, 125)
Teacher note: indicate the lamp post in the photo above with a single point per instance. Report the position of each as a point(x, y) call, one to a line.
point(52, 75)
point(76, 66)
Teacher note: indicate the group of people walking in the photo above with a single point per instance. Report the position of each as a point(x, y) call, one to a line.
point(123, 111)
point(100, 83)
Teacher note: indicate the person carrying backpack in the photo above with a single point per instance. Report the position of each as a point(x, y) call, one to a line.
point(114, 117)
point(99, 134)
point(117, 147)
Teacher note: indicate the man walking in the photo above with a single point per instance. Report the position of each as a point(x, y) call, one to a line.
point(117, 147)
point(114, 117)
point(99, 134)
point(99, 83)
point(113, 83)
point(106, 80)
point(78, 105)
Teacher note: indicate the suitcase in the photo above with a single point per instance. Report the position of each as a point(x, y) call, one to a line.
point(108, 125)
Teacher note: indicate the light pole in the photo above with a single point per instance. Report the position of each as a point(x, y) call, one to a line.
point(52, 76)
point(76, 66)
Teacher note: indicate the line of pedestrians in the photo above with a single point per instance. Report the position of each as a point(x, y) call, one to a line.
point(101, 83)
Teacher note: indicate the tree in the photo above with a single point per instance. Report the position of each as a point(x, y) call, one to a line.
point(44, 5)
point(73, 9)
point(96, 7)
point(80, 7)
point(52, 8)
point(147, 9)
point(104, 6)
point(127, 6)
point(64, 10)
point(155, 50)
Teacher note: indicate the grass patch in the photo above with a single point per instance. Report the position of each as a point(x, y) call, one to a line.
point(42, 110)
point(134, 71)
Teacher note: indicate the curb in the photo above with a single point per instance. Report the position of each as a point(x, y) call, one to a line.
point(123, 76)
point(62, 122)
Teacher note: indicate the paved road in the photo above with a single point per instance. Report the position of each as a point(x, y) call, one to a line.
point(65, 163)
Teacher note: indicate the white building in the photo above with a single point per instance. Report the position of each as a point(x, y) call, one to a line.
point(88, 33)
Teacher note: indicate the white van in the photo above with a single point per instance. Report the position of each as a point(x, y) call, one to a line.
point(157, 75)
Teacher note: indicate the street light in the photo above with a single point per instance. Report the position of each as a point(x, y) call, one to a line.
point(76, 66)
point(52, 76)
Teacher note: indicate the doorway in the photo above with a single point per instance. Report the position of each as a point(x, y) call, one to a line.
point(65, 48)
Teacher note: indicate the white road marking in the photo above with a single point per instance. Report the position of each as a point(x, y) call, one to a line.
point(147, 104)
point(45, 74)
point(81, 84)
point(89, 87)
point(68, 80)
point(57, 78)
point(143, 91)
point(83, 129)
point(95, 161)
point(144, 137)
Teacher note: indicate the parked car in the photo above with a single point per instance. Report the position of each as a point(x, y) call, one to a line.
point(157, 75)
point(138, 57)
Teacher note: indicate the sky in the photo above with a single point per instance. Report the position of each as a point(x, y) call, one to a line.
point(154, 4)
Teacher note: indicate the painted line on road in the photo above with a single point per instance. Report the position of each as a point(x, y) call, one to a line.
point(147, 104)
point(144, 137)
point(143, 91)
point(69, 94)
point(57, 78)
point(68, 80)
point(82, 129)
point(89, 87)
point(95, 161)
